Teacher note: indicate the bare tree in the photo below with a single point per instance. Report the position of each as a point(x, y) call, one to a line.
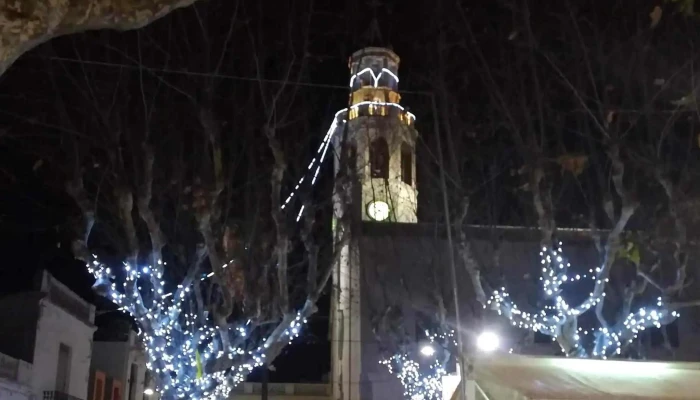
point(180, 180)
point(565, 124)
point(589, 91)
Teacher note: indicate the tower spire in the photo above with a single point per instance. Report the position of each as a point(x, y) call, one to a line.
point(374, 33)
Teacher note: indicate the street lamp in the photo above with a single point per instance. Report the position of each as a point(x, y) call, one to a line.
point(427, 350)
point(148, 391)
point(487, 342)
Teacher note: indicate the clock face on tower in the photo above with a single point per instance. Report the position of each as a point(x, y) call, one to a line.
point(378, 210)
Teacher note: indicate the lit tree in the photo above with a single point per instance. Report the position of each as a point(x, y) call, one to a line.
point(618, 168)
point(28, 23)
point(560, 118)
point(196, 245)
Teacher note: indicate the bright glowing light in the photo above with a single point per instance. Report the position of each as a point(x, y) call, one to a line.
point(488, 342)
point(427, 351)
point(378, 210)
point(148, 391)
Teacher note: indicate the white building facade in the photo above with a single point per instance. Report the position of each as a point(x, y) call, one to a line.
point(15, 379)
point(118, 370)
point(51, 329)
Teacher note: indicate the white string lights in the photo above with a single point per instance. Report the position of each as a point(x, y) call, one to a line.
point(421, 371)
point(181, 344)
point(339, 119)
point(606, 341)
point(419, 383)
point(375, 78)
point(338, 123)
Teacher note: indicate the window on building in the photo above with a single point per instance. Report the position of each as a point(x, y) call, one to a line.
point(99, 387)
point(366, 79)
point(352, 158)
point(379, 158)
point(63, 371)
point(387, 80)
point(133, 377)
point(148, 381)
point(116, 390)
point(407, 164)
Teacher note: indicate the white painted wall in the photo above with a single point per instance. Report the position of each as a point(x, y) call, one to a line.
point(15, 377)
point(14, 391)
point(114, 359)
point(57, 326)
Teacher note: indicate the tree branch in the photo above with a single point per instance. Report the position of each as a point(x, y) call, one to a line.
point(312, 249)
point(680, 232)
point(206, 205)
point(278, 215)
point(27, 23)
point(144, 201)
point(79, 245)
point(464, 251)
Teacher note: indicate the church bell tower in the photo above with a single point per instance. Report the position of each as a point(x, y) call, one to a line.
point(381, 138)
point(377, 133)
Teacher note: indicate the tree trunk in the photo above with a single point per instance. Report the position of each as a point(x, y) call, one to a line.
point(25, 24)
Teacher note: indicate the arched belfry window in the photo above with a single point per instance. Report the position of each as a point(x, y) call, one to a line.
point(352, 158)
point(407, 164)
point(379, 158)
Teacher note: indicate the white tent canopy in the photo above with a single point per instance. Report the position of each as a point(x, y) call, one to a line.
point(511, 377)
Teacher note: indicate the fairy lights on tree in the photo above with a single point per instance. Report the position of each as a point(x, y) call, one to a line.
point(200, 348)
point(559, 316)
point(421, 376)
point(187, 352)
point(182, 347)
point(420, 371)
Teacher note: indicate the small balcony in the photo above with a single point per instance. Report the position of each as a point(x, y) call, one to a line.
point(56, 395)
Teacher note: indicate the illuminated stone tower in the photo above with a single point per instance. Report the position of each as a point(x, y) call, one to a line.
point(380, 139)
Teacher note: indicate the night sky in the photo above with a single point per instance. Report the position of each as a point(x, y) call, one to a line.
point(34, 210)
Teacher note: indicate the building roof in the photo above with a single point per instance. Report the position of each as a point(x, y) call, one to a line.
point(375, 51)
point(517, 377)
point(507, 232)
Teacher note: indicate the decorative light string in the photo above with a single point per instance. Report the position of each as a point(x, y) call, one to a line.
point(179, 344)
point(375, 78)
point(339, 119)
point(606, 341)
point(421, 374)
